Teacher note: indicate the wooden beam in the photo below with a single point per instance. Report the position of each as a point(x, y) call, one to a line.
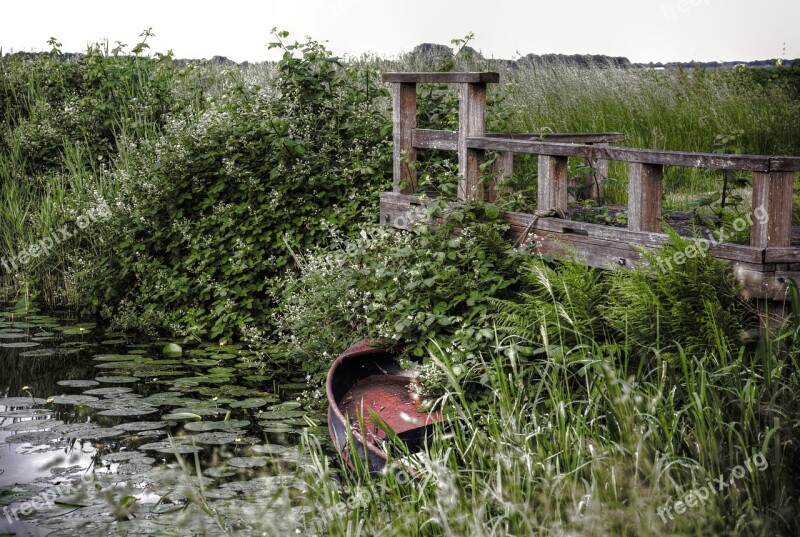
point(404, 119)
point(553, 175)
point(595, 182)
point(442, 78)
point(402, 211)
point(471, 123)
point(782, 255)
point(644, 196)
point(784, 164)
point(502, 168)
point(570, 137)
point(433, 139)
point(532, 147)
point(752, 163)
point(772, 209)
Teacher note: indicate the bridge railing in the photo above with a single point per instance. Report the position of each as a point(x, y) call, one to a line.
point(773, 176)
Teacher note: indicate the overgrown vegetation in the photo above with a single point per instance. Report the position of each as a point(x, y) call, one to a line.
point(581, 401)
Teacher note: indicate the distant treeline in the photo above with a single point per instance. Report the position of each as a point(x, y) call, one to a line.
point(435, 51)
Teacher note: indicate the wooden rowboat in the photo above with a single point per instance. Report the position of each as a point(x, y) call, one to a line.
point(368, 377)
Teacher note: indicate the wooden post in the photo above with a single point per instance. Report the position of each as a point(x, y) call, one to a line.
point(644, 196)
point(772, 209)
point(404, 118)
point(553, 179)
point(503, 167)
point(594, 182)
point(471, 122)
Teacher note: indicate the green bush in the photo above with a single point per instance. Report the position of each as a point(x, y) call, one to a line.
point(431, 284)
point(209, 211)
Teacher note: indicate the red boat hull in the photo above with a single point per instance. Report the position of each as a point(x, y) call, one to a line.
point(366, 379)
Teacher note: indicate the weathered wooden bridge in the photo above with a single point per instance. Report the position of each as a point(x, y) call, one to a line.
point(763, 267)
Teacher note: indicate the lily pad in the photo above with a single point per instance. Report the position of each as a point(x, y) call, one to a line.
point(253, 402)
point(32, 425)
point(217, 472)
point(204, 426)
point(77, 330)
point(200, 362)
point(217, 438)
point(128, 411)
point(208, 379)
point(12, 335)
point(141, 426)
point(21, 402)
point(165, 399)
point(281, 414)
point(117, 380)
point(117, 366)
point(247, 462)
point(20, 345)
point(116, 358)
point(268, 449)
point(257, 378)
point(277, 427)
point(73, 399)
point(288, 405)
point(202, 410)
point(26, 413)
point(123, 456)
point(108, 391)
point(78, 383)
point(165, 446)
point(182, 416)
point(86, 431)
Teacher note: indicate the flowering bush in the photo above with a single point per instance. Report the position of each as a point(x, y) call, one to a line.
point(210, 211)
point(431, 284)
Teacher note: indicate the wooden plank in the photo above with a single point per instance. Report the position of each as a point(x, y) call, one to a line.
point(595, 182)
point(684, 158)
point(644, 196)
point(448, 140)
point(782, 255)
point(404, 119)
point(593, 253)
point(433, 139)
point(772, 209)
point(402, 211)
point(502, 168)
point(471, 122)
point(753, 163)
point(576, 137)
point(595, 231)
point(442, 78)
point(400, 204)
point(720, 250)
point(553, 177)
point(532, 147)
point(784, 164)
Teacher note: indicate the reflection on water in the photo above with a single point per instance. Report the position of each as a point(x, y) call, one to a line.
point(91, 420)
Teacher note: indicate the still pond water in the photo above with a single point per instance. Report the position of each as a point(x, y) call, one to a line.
point(93, 430)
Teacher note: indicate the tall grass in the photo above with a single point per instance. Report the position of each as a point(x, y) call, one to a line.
point(573, 444)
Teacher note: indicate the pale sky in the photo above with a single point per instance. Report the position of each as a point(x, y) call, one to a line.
point(642, 30)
